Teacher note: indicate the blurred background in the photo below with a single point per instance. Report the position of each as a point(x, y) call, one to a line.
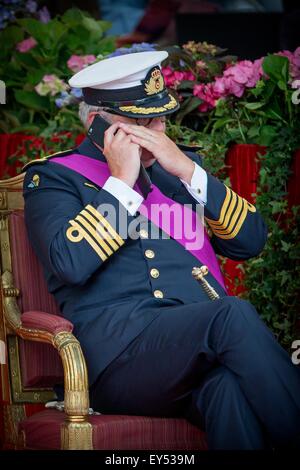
point(247, 28)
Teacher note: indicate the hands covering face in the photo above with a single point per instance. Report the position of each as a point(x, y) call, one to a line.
point(163, 149)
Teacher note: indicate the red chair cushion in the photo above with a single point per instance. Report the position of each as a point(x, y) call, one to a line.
point(117, 432)
point(44, 321)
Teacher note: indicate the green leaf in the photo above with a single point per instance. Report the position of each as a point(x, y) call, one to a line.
point(92, 25)
point(30, 99)
point(186, 84)
point(276, 67)
point(266, 135)
point(27, 60)
point(276, 206)
point(9, 37)
point(274, 111)
point(73, 17)
point(285, 246)
point(258, 89)
point(56, 30)
point(253, 131)
point(222, 122)
point(35, 76)
point(35, 29)
point(282, 85)
point(253, 106)
point(221, 107)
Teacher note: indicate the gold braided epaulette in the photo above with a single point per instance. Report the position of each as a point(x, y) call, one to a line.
point(45, 159)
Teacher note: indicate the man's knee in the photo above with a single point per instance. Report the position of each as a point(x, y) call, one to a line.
point(238, 310)
point(235, 320)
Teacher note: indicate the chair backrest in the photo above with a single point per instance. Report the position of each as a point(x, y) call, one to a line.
point(32, 368)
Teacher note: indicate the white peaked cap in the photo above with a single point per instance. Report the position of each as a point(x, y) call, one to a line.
point(124, 71)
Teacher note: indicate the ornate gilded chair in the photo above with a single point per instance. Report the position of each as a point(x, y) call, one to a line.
point(41, 352)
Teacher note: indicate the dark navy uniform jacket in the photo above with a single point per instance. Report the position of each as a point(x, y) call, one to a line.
point(110, 301)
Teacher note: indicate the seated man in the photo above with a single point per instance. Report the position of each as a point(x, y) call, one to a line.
point(155, 342)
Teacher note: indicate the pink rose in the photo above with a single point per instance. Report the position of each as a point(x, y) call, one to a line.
point(26, 45)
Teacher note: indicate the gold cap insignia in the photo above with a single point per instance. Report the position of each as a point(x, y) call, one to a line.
point(154, 81)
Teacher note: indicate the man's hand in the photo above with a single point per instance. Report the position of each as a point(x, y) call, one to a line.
point(163, 149)
point(122, 155)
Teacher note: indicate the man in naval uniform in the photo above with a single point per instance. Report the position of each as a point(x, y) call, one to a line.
point(155, 341)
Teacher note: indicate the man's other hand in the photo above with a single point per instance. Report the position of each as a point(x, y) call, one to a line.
point(122, 154)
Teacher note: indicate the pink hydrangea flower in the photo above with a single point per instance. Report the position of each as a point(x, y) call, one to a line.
point(294, 59)
point(52, 85)
point(236, 78)
point(26, 45)
point(168, 74)
point(208, 93)
point(228, 86)
point(201, 64)
point(78, 62)
point(201, 68)
point(174, 78)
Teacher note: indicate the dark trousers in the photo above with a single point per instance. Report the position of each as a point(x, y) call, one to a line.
point(214, 363)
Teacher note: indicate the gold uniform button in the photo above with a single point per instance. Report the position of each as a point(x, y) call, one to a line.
point(158, 294)
point(154, 273)
point(149, 254)
point(143, 233)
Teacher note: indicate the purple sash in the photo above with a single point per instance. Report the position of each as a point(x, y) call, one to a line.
point(98, 172)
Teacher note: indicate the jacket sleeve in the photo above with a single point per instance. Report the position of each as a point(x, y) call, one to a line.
point(72, 240)
point(238, 230)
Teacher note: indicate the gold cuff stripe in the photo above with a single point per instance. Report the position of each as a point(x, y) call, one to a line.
point(236, 215)
point(99, 229)
point(104, 222)
point(238, 226)
point(231, 211)
point(82, 234)
point(225, 205)
point(90, 229)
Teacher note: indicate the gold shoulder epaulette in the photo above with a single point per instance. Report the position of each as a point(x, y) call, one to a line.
point(45, 159)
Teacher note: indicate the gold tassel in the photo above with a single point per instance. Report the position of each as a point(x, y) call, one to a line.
point(198, 274)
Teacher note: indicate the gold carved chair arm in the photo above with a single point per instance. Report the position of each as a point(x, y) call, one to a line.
point(43, 327)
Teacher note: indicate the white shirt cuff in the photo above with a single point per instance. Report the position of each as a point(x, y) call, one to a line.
point(198, 187)
point(127, 196)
